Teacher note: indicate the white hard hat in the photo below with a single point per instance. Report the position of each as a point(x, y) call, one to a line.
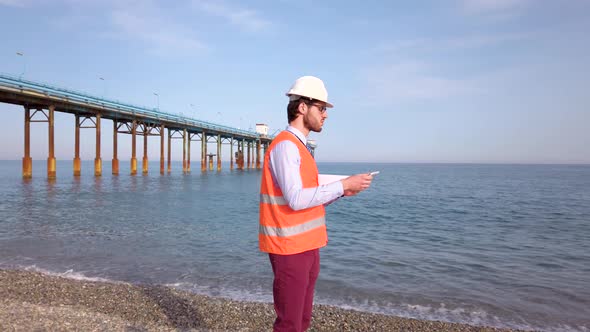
point(310, 87)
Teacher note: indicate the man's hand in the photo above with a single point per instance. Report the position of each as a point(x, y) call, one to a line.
point(352, 185)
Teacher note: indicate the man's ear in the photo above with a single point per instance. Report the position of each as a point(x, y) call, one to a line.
point(302, 108)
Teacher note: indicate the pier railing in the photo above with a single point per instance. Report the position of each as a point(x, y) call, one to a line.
point(118, 106)
point(41, 99)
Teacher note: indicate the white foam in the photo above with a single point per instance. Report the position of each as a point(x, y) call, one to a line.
point(261, 296)
point(176, 285)
point(69, 274)
point(477, 317)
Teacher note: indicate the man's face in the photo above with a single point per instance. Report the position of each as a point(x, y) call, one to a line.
point(316, 114)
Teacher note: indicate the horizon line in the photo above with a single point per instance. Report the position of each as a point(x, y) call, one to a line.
point(362, 162)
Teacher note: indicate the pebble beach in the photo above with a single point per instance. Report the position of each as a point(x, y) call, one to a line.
point(34, 301)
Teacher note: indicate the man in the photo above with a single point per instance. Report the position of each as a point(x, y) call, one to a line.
point(292, 215)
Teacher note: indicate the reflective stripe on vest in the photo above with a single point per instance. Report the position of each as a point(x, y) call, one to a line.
point(275, 200)
point(294, 230)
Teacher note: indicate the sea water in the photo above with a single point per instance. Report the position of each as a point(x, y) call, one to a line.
point(499, 245)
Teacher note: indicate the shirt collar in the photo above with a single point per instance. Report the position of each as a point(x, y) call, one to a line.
point(298, 133)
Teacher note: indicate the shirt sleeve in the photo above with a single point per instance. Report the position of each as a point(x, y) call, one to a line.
point(285, 163)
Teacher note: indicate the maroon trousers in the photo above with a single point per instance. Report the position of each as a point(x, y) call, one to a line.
point(293, 287)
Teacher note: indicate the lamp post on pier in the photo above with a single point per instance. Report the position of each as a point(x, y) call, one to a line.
point(104, 86)
point(157, 100)
point(22, 55)
point(194, 110)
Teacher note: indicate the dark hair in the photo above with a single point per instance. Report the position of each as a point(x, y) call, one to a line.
point(293, 107)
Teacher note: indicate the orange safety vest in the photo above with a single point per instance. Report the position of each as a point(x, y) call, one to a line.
point(283, 230)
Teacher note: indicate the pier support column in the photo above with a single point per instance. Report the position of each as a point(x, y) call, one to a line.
point(211, 162)
point(203, 151)
point(231, 153)
point(115, 160)
point(258, 154)
point(188, 153)
point(184, 151)
point(27, 161)
point(169, 150)
point(251, 149)
point(77, 165)
point(243, 155)
point(97, 160)
point(218, 153)
point(51, 167)
point(162, 129)
point(133, 155)
point(144, 161)
point(248, 155)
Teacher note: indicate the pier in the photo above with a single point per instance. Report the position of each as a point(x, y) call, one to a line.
point(41, 101)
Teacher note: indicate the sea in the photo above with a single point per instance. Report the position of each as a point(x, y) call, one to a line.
point(495, 245)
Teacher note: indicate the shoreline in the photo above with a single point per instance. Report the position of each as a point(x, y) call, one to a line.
point(32, 301)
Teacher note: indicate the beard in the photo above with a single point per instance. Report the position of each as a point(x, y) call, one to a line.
point(315, 127)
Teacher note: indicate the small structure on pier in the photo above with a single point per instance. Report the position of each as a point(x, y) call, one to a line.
point(262, 129)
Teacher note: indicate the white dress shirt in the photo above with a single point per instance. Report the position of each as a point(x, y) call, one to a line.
point(285, 163)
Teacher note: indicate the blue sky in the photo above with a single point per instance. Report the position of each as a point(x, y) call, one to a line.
point(502, 81)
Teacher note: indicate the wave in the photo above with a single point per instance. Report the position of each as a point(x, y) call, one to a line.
point(471, 316)
point(68, 274)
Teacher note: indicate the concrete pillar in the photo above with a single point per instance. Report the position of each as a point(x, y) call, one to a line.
point(248, 156)
point(239, 155)
point(115, 160)
point(77, 164)
point(231, 153)
point(27, 161)
point(203, 151)
point(243, 154)
point(211, 162)
point(169, 150)
point(258, 154)
point(97, 160)
point(184, 151)
point(144, 161)
point(133, 152)
point(188, 152)
point(162, 149)
point(51, 167)
point(218, 152)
